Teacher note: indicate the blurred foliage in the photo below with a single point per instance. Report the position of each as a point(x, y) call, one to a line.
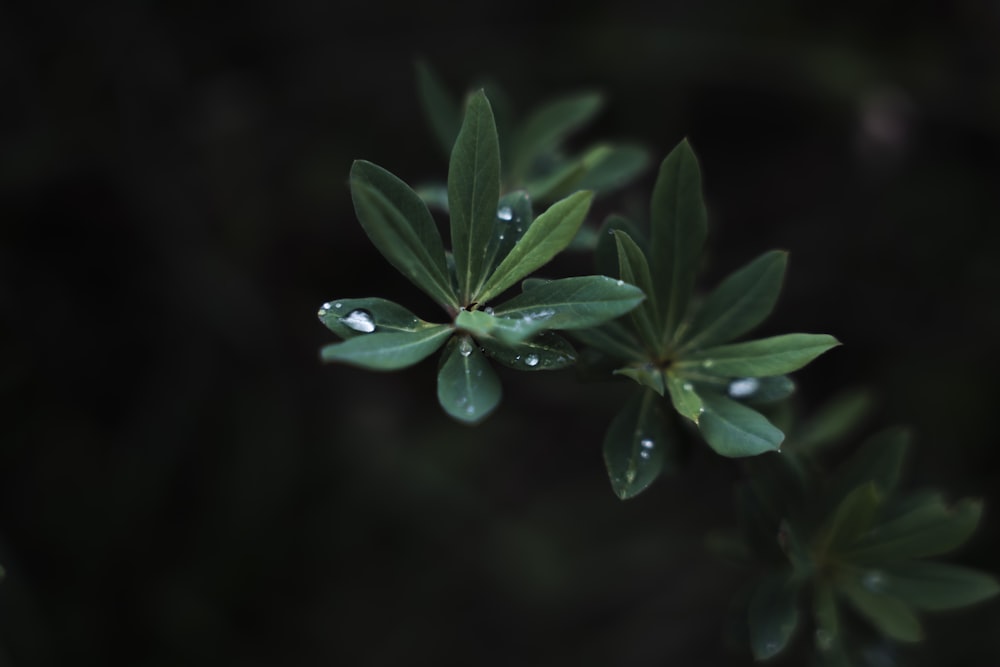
point(182, 483)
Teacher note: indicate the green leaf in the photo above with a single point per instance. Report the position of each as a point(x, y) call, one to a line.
point(468, 387)
point(734, 430)
point(473, 193)
point(937, 586)
point(890, 616)
point(441, 109)
point(826, 617)
point(349, 318)
point(616, 168)
point(773, 615)
point(646, 375)
point(928, 529)
point(547, 127)
point(679, 227)
point(761, 391)
point(569, 303)
point(546, 351)
point(636, 444)
point(543, 240)
point(739, 303)
point(853, 517)
point(835, 420)
point(634, 269)
point(606, 251)
point(686, 400)
point(776, 355)
point(388, 351)
point(400, 226)
point(612, 339)
point(513, 218)
point(879, 460)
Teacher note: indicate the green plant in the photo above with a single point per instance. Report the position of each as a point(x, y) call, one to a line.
point(846, 545)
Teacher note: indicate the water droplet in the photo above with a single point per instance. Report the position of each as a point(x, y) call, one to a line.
point(501, 237)
point(744, 387)
point(647, 443)
point(505, 213)
point(688, 386)
point(465, 347)
point(873, 580)
point(531, 360)
point(708, 363)
point(359, 320)
point(619, 282)
point(321, 312)
point(469, 409)
point(488, 310)
point(326, 306)
point(644, 454)
point(338, 305)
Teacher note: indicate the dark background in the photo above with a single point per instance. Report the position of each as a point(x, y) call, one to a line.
point(182, 483)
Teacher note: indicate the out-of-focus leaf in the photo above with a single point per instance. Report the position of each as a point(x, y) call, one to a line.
point(776, 355)
point(612, 339)
point(441, 108)
point(773, 615)
point(388, 351)
point(356, 317)
point(547, 127)
point(686, 400)
point(928, 529)
point(826, 617)
point(546, 351)
point(400, 226)
point(543, 240)
point(616, 167)
point(569, 303)
point(853, 518)
point(679, 227)
point(937, 586)
point(835, 420)
point(890, 616)
point(636, 445)
point(734, 430)
point(473, 193)
point(468, 388)
point(739, 303)
point(879, 459)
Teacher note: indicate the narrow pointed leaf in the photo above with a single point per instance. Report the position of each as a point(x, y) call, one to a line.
point(400, 226)
point(636, 445)
point(929, 529)
point(773, 615)
point(571, 303)
point(616, 168)
point(544, 239)
point(546, 351)
point(679, 227)
point(938, 586)
point(606, 251)
point(634, 269)
point(890, 616)
point(739, 303)
point(835, 420)
point(734, 430)
point(558, 181)
point(388, 351)
point(880, 460)
point(612, 339)
point(547, 127)
point(776, 355)
point(442, 110)
point(349, 318)
point(646, 375)
point(473, 193)
point(686, 400)
point(512, 220)
point(468, 387)
point(853, 517)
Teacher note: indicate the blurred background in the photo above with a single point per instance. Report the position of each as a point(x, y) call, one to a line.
point(183, 483)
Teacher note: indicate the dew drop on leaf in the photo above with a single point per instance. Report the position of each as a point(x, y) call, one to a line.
point(873, 580)
point(744, 387)
point(505, 213)
point(531, 360)
point(465, 347)
point(359, 320)
point(646, 443)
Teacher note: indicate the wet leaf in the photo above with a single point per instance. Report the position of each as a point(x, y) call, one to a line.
point(546, 351)
point(633, 269)
point(356, 317)
point(759, 358)
point(773, 615)
point(636, 445)
point(734, 430)
point(468, 387)
point(388, 351)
